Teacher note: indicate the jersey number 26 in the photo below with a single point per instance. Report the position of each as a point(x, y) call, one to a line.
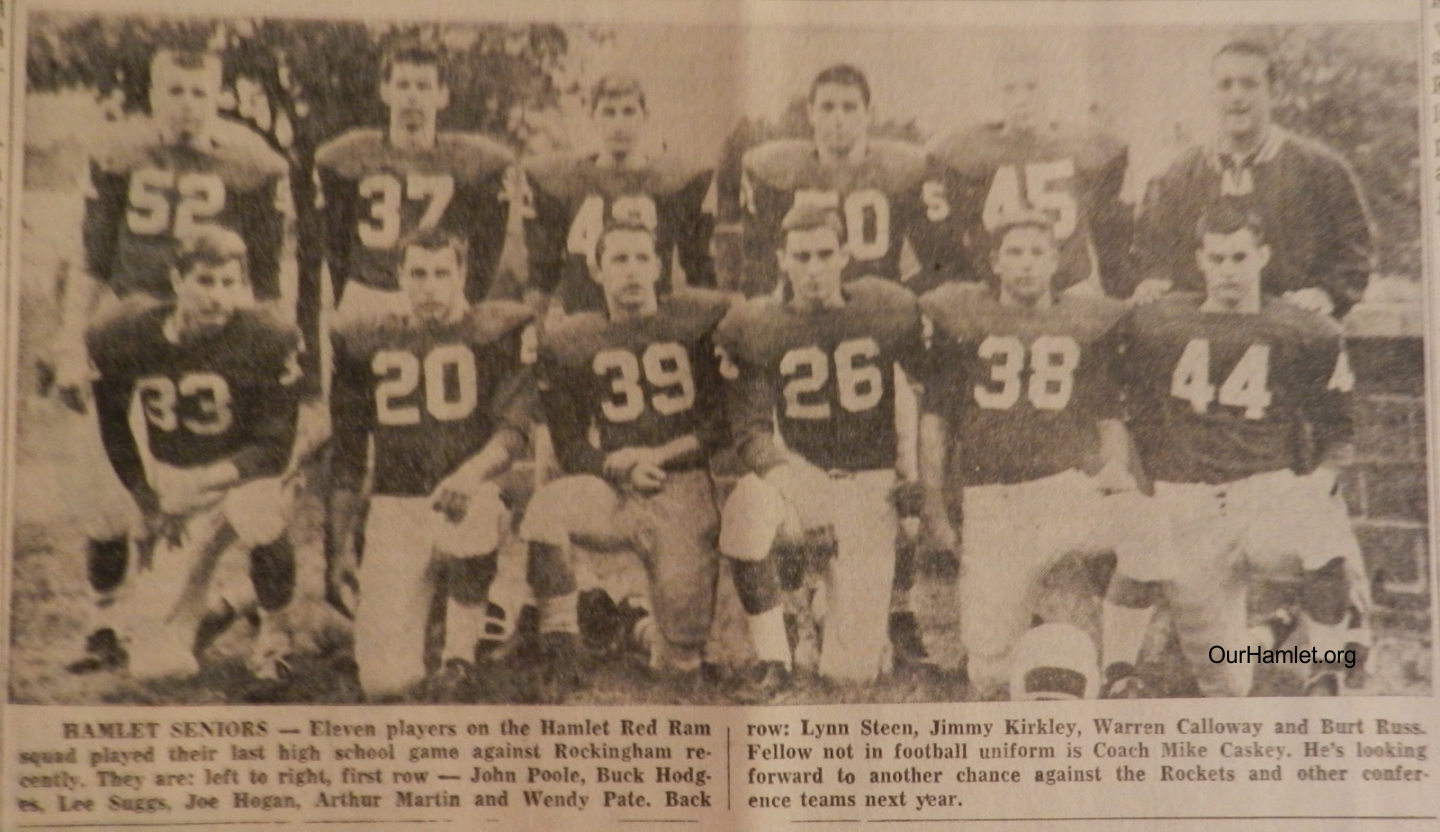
point(859, 382)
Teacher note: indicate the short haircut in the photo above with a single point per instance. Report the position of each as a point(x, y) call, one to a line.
point(210, 245)
point(843, 75)
point(1250, 49)
point(1227, 217)
point(810, 218)
point(618, 226)
point(616, 85)
point(437, 239)
point(1020, 219)
point(412, 53)
point(185, 59)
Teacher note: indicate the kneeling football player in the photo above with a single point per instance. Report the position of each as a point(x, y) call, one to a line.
point(1020, 404)
point(1240, 410)
point(633, 399)
point(442, 397)
point(812, 401)
point(197, 411)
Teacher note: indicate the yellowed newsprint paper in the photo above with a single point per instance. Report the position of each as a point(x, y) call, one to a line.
point(730, 415)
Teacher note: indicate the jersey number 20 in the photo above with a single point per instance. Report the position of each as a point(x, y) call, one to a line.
point(400, 373)
point(665, 366)
point(859, 382)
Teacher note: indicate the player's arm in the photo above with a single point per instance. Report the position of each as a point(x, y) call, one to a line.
point(100, 233)
point(750, 398)
point(938, 233)
point(334, 195)
point(352, 417)
point(267, 222)
point(1342, 265)
point(763, 209)
point(489, 220)
point(696, 227)
point(272, 418)
point(1163, 240)
point(113, 389)
point(941, 397)
point(1112, 225)
point(547, 228)
point(1328, 406)
point(568, 417)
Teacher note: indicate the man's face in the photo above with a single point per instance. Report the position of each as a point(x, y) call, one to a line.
point(415, 95)
point(1241, 93)
point(1026, 262)
point(207, 297)
point(1023, 103)
point(1232, 264)
point(184, 101)
point(434, 282)
point(839, 117)
point(814, 262)
point(620, 121)
point(628, 269)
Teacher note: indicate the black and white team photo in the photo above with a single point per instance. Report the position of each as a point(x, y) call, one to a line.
point(409, 361)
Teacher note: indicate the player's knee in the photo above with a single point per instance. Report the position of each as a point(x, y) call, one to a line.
point(1325, 592)
point(550, 515)
point(478, 532)
point(548, 570)
point(257, 511)
point(751, 519)
point(757, 583)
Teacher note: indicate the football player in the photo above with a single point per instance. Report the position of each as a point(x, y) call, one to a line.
point(377, 187)
point(197, 407)
point(1027, 161)
point(158, 178)
point(643, 379)
point(1020, 434)
point(874, 185)
point(442, 397)
point(812, 401)
point(575, 197)
point(1308, 198)
point(1233, 395)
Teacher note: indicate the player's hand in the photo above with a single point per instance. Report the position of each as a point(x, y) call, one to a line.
point(647, 476)
point(1151, 290)
point(619, 464)
point(73, 376)
point(1115, 478)
point(186, 490)
point(1312, 299)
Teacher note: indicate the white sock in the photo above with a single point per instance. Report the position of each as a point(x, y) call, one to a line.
point(767, 636)
point(560, 614)
point(1123, 632)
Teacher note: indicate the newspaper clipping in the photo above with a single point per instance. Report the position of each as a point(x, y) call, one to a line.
point(735, 415)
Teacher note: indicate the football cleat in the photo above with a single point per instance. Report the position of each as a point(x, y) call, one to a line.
point(269, 658)
point(1054, 661)
point(762, 683)
point(102, 652)
point(906, 639)
point(561, 673)
point(455, 681)
point(1122, 682)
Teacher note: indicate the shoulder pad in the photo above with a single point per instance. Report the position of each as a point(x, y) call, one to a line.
point(1090, 148)
point(701, 309)
point(777, 163)
point(125, 145)
point(950, 307)
point(243, 145)
point(903, 163)
point(478, 154)
point(492, 320)
point(673, 173)
point(559, 174)
point(1310, 326)
point(969, 149)
point(753, 330)
point(262, 331)
point(574, 339)
point(358, 338)
point(347, 152)
point(1096, 313)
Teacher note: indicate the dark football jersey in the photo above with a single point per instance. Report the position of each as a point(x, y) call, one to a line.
point(430, 394)
point(878, 197)
point(1217, 397)
point(1023, 389)
point(375, 195)
point(825, 378)
point(144, 194)
point(609, 385)
point(227, 395)
point(574, 197)
point(979, 176)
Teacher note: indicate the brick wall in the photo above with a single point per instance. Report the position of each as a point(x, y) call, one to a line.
point(1387, 488)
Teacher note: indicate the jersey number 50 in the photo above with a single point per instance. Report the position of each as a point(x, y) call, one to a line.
point(867, 219)
point(859, 383)
point(400, 373)
point(665, 365)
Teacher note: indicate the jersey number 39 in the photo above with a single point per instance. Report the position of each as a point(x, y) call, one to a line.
point(665, 366)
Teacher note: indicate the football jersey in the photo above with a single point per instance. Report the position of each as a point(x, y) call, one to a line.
point(1217, 397)
point(226, 395)
point(978, 177)
point(878, 197)
point(574, 197)
point(825, 379)
point(375, 195)
point(608, 385)
point(429, 394)
point(1023, 389)
point(145, 193)
point(1307, 199)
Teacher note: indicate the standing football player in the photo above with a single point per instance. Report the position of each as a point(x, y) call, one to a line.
point(1306, 195)
point(377, 187)
point(575, 197)
point(197, 408)
point(813, 405)
point(1235, 398)
point(1019, 406)
point(1027, 161)
point(162, 177)
point(643, 378)
point(443, 398)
